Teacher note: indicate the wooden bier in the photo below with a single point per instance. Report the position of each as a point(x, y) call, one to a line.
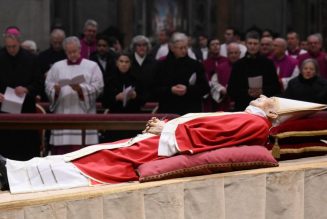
point(78, 121)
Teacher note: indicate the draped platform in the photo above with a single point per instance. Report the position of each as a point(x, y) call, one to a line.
point(295, 190)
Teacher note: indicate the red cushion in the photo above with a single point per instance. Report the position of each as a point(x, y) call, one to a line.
point(220, 160)
point(317, 121)
point(300, 137)
point(300, 150)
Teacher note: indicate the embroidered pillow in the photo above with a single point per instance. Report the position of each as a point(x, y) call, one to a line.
point(215, 161)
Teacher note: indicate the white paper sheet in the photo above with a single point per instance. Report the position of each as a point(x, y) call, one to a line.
point(255, 82)
point(126, 92)
point(12, 103)
point(192, 79)
point(75, 80)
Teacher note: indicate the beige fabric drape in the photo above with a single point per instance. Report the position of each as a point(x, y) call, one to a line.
point(295, 190)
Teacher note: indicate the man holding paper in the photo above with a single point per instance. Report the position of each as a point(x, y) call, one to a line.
point(180, 81)
point(72, 86)
point(20, 82)
point(252, 75)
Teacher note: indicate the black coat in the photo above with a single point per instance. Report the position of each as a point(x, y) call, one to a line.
point(144, 76)
point(115, 84)
point(252, 66)
point(173, 71)
point(110, 58)
point(311, 90)
point(46, 59)
point(20, 70)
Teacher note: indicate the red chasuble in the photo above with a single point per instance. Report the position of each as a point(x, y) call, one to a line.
point(118, 165)
point(208, 133)
point(197, 135)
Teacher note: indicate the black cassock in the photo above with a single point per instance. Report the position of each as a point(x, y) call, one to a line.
point(20, 70)
point(245, 68)
point(185, 71)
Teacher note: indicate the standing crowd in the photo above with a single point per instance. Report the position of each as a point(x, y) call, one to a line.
point(180, 73)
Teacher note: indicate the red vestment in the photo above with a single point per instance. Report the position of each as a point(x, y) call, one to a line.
point(208, 133)
point(194, 136)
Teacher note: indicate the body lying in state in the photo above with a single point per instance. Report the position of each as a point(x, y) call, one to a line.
point(116, 162)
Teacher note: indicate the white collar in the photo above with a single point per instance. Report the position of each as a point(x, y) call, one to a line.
point(256, 111)
point(139, 59)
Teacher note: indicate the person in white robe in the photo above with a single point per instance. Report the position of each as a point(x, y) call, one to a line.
point(72, 86)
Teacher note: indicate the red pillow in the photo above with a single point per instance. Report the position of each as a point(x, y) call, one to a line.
point(220, 160)
point(300, 137)
point(317, 121)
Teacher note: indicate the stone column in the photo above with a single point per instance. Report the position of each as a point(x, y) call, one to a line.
point(222, 17)
point(32, 17)
point(126, 20)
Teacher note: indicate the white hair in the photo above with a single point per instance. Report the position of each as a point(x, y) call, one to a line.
point(57, 33)
point(283, 41)
point(30, 45)
point(316, 35)
point(90, 22)
point(234, 45)
point(177, 37)
point(140, 39)
point(71, 39)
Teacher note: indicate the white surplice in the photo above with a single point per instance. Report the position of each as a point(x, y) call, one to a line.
point(68, 101)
